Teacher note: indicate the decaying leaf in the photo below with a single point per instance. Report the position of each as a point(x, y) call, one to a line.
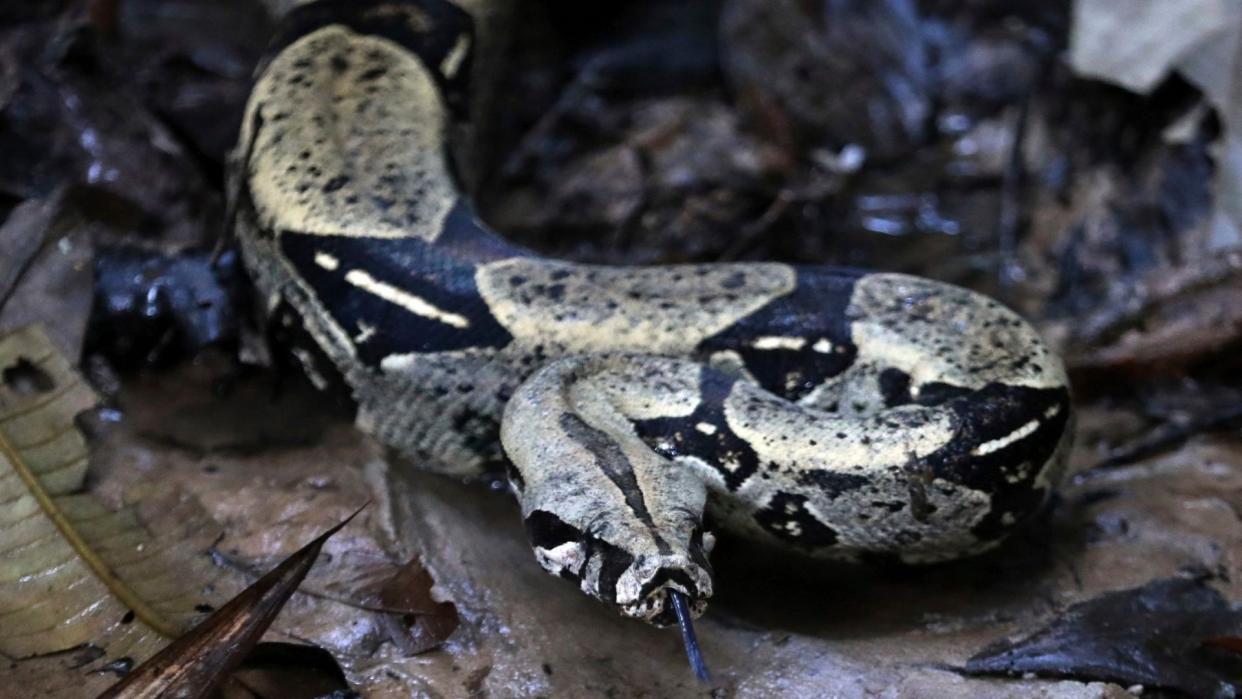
point(1153, 635)
point(75, 570)
point(21, 236)
point(1135, 43)
point(1185, 332)
point(415, 620)
point(45, 270)
point(274, 669)
point(196, 663)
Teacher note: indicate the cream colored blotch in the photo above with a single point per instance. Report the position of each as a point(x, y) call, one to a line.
point(654, 310)
point(936, 332)
point(351, 140)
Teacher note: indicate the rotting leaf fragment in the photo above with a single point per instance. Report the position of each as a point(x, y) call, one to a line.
point(1153, 635)
point(416, 622)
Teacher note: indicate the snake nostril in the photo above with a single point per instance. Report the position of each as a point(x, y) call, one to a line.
point(676, 578)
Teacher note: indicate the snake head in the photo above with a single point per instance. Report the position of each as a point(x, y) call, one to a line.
point(632, 573)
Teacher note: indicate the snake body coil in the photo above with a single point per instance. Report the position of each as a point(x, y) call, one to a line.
point(832, 411)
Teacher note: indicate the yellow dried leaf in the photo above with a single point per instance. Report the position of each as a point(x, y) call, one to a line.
point(73, 570)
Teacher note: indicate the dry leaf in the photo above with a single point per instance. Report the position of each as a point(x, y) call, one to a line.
point(46, 252)
point(288, 670)
point(196, 663)
point(21, 236)
point(1135, 43)
point(415, 620)
point(76, 571)
point(1152, 635)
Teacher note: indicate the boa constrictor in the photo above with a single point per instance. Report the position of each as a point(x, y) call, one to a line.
point(825, 410)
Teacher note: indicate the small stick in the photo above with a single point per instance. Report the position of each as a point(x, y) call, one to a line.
point(681, 607)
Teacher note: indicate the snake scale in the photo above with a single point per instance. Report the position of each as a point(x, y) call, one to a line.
point(829, 411)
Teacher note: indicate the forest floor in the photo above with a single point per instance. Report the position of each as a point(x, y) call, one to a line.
point(1079, 161)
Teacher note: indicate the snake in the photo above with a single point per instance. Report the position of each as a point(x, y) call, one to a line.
point(637, 411)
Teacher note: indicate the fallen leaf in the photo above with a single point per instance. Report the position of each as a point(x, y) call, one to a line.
point(45, 271)
point(288, 670)
point(414, 619)
point(196, 663)
point(1214, 66)
point(1191, 332)
point(1227, 222)
point(21, 236)
point(1152, 635)
point(1135, 43)
point(77, 571)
